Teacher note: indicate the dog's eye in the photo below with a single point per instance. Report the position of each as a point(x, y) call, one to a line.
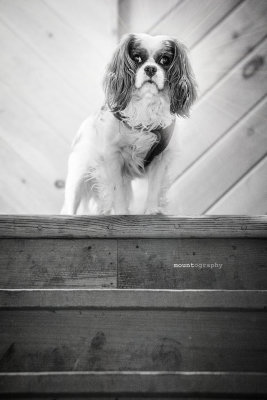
point(164, 60)
point(137, 58)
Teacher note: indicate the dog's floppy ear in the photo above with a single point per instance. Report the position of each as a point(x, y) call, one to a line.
point(182, 84)
point(120, 75)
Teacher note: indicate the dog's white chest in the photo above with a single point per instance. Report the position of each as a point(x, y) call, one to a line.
point(134, 146)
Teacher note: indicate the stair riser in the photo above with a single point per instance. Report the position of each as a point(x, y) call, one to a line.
point(236, 263)
point(146, 340)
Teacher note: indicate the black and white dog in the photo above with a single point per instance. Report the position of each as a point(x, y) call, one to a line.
point(148, 83)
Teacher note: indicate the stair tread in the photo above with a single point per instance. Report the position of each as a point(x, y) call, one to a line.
point(134, 298)
point(132, 226)
point(121, 382)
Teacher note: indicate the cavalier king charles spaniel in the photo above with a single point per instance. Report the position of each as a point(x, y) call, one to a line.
point(148, 83)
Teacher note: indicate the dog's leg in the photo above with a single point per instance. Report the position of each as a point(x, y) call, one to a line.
point(113, 189)
point(73, 195)
point(157, 185)
point(75, 185)
point(122, 194)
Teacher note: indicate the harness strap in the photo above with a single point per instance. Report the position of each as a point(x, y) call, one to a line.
point(164, 136)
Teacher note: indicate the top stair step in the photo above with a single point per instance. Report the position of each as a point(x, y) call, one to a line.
point(150, 252)
point(132, 226)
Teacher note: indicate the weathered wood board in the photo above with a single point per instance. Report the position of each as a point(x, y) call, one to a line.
point(107, 331)
point(122, 385)
point(192, 263)
point(29, 263)
point(132, 226)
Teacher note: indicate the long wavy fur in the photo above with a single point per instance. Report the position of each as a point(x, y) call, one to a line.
point(120, 76)
point(181, 80)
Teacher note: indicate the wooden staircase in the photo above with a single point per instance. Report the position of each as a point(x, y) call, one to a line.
point(133, 307)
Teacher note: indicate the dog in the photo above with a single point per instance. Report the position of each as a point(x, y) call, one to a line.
point(148, 84)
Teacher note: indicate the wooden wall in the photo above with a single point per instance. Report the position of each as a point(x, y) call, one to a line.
point(222, 168)
point(53, 54)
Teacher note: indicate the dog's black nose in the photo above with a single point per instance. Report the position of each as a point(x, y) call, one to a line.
point(150, 70)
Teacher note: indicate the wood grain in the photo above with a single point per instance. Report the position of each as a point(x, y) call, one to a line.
point(110, 383)
point(230, 41)
point(137, 16)
point(222, 166)
point(36, 193)
point(138, 299)
point(137, 396)
point(248, 196)
point(192, 263)
point(62, 48)
point(132, 226)
point(218, 111)
point(58, 263)
point(192, 20)
point(31, 75)
point(132, 340)
point(102, 26)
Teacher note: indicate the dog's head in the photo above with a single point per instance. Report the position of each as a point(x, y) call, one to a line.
point(141, 60)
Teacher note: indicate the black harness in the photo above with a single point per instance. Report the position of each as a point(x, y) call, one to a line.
point(164, 136)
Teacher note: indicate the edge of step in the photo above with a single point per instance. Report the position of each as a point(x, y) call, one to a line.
point(132, 226)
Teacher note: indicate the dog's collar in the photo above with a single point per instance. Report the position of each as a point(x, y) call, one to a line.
point(164, 136)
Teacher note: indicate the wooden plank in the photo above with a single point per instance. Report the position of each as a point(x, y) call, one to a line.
point(7, 208)
point(27, 139)
point(132, 396)
point(132, 226)
point(94, 21)
point(248, 196)
point(36, 83)
point(132, 340)
point(138, 299)
point(26, 189)
point(193, 19)
point(218, 111)
point(138, 396)
point(192, 263)
point(137, 16)
point(108, 383)
point(61, 46)
point(31, 136)
point(229, 42)
point(58, 263)
point(231, 158)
